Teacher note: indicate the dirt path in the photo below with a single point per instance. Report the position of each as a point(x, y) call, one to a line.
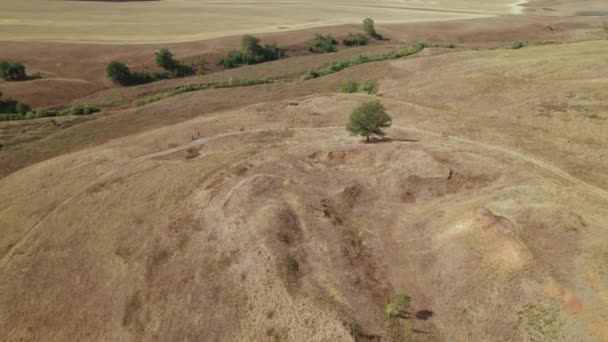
point(514, 154)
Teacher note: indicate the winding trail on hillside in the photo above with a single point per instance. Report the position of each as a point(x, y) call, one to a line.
point(195, 143)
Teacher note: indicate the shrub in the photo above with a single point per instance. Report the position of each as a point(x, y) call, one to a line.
point(356, 330)
point(355, 40)
point(322, 44)
point(368, 86)
point(517, 45)
point(8, 106)
point(119, 73)
point(22, 108)
point(368, 119)
point(252, 53)
point(164, 59)
point(369, 27)
point(293, 267)
point(349, 87)
point(83, 109)
point(12, 71)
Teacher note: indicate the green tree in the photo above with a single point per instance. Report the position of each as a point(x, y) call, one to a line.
point(368, 119)
point(250, 45)
point(119, 73)
point(369, 27)
point(11, 71)
point(164, 59)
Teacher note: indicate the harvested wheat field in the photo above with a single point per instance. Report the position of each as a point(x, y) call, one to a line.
point(249, 213)
point(187, 20)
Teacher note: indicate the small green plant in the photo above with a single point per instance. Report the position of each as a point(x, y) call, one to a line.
point(322, 44)
point(356, 330)
point(349, 87)
point(400, 303)
point(549, 27)
point(293, 267)
point(368, 86)
point(391, 310)
point(368, 119)
point(517, 44)
point(358, 39)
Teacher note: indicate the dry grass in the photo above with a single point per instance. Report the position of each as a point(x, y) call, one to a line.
point(481, 209)
point(194, 20)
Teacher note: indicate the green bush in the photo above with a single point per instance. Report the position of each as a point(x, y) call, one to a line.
point(369, 27)
point(252, 53)
point(517, 44)
point(119, 73)
point(164, 59)
point(22, 108)
point(349, 87)
point(355, 40)
point(12, 71)
point(368, 86)
point(83, 109)
point(322, 44)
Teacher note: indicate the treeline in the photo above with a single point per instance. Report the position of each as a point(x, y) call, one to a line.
point(120, 73)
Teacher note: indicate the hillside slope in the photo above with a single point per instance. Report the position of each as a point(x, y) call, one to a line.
point(488, 206)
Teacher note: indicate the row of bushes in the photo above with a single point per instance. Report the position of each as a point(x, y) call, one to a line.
point(327, 43)
point(120, 73)
point(251, 53)
point(80, 109)
point(358, 39)
point(203, 86)
point(367, 86)
point(338, 66)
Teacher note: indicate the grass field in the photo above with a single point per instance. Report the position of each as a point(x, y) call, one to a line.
point(187, 20)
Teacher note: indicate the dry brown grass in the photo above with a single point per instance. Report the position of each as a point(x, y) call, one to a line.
point(487, 208)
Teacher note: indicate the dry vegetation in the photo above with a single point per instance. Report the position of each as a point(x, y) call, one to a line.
point(250, 213)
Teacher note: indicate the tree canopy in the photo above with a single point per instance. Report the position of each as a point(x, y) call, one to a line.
point(164, 59)
point(368, 119)
point(12, 71)
point(369, 27)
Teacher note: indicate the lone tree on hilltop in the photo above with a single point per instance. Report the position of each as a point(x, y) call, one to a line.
point(369, 27)
point(368, 119)
point(164, 59)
